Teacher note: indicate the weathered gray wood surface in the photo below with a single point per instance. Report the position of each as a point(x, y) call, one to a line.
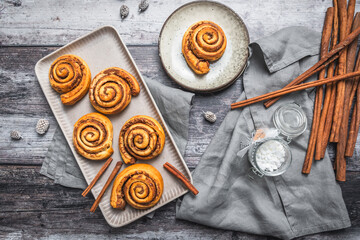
point(58, 22)
point(31, 206)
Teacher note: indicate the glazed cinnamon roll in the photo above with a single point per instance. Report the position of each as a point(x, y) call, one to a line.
point(111, 90)
point(139, 185)
point(141, 137)
point(70, 76)
point(204, 41)
point(92, 136)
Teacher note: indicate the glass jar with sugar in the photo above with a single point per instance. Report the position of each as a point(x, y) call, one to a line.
point(271, 155)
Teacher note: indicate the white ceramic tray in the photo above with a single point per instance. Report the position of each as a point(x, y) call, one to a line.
point(101, 49)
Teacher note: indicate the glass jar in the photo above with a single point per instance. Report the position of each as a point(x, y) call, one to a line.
point(290, 121)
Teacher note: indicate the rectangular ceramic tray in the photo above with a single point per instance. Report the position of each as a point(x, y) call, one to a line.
point(101, 49)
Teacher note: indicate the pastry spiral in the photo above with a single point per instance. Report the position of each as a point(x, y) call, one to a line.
point(92, 136)
point(111, 90)
point(139, 185)
point(70, 76)
point(141, 137)
point(204, 41)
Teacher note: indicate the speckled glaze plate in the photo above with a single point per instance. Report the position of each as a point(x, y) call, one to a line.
point(101, 49)
point(222, 72)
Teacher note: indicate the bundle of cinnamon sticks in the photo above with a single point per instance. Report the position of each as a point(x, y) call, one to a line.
point(332, 111)
point(337, 92)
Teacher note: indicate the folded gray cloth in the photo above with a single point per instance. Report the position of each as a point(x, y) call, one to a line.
point(286, 206)
point(174, 104)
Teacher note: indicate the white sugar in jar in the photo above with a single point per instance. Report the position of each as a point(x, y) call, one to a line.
point(271, 156)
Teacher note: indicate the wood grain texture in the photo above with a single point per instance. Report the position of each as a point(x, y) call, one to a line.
point(32, 206)
point(58, 22)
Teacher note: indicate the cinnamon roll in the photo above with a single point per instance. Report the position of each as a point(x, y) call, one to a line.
point(70, 76)
point(111, 90)
point(92, 136)
point(139, 185)
point(204, 41)
point(141, 137)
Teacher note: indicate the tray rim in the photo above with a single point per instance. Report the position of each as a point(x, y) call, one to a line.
point(212, 90)
point(112, 28)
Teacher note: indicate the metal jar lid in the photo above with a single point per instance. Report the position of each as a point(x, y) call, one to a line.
point(290, 120)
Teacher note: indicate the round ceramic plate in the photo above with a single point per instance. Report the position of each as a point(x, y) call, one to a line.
point(222, 72)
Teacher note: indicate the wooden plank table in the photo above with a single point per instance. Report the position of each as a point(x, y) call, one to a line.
point(31, 205)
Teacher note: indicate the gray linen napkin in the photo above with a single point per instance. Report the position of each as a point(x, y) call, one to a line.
point(286, 206)
point(59, 163)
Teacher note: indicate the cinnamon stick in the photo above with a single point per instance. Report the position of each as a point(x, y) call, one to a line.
point(340, 87)
point(108, 182)
point(350, 16)
point(292, 89)
point(350, 145)
point(97, 177)
point(313, 134)
point(325, 40)
point(356, 80)
point(343, 134)
point(350, 87)
point(353, 130)
point(353, 91)
point(328, 122)
point(181, 177)
point(329, 100)
point(354, 126)
point(339, 47)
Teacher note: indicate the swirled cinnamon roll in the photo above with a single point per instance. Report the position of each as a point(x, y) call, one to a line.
point(111, 90)
point(139, 185)
point(204, 41)
point(141, 137)
point(70, 76)
point(92, 136)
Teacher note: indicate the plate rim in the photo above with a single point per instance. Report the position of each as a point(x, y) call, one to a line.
point(216, 89)
point(166, 128)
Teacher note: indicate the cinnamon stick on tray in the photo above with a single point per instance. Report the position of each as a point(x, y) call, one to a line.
point(97, 177)
point(108, 182)
point(181, 177)
point(325, 41)
point(284, 91)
